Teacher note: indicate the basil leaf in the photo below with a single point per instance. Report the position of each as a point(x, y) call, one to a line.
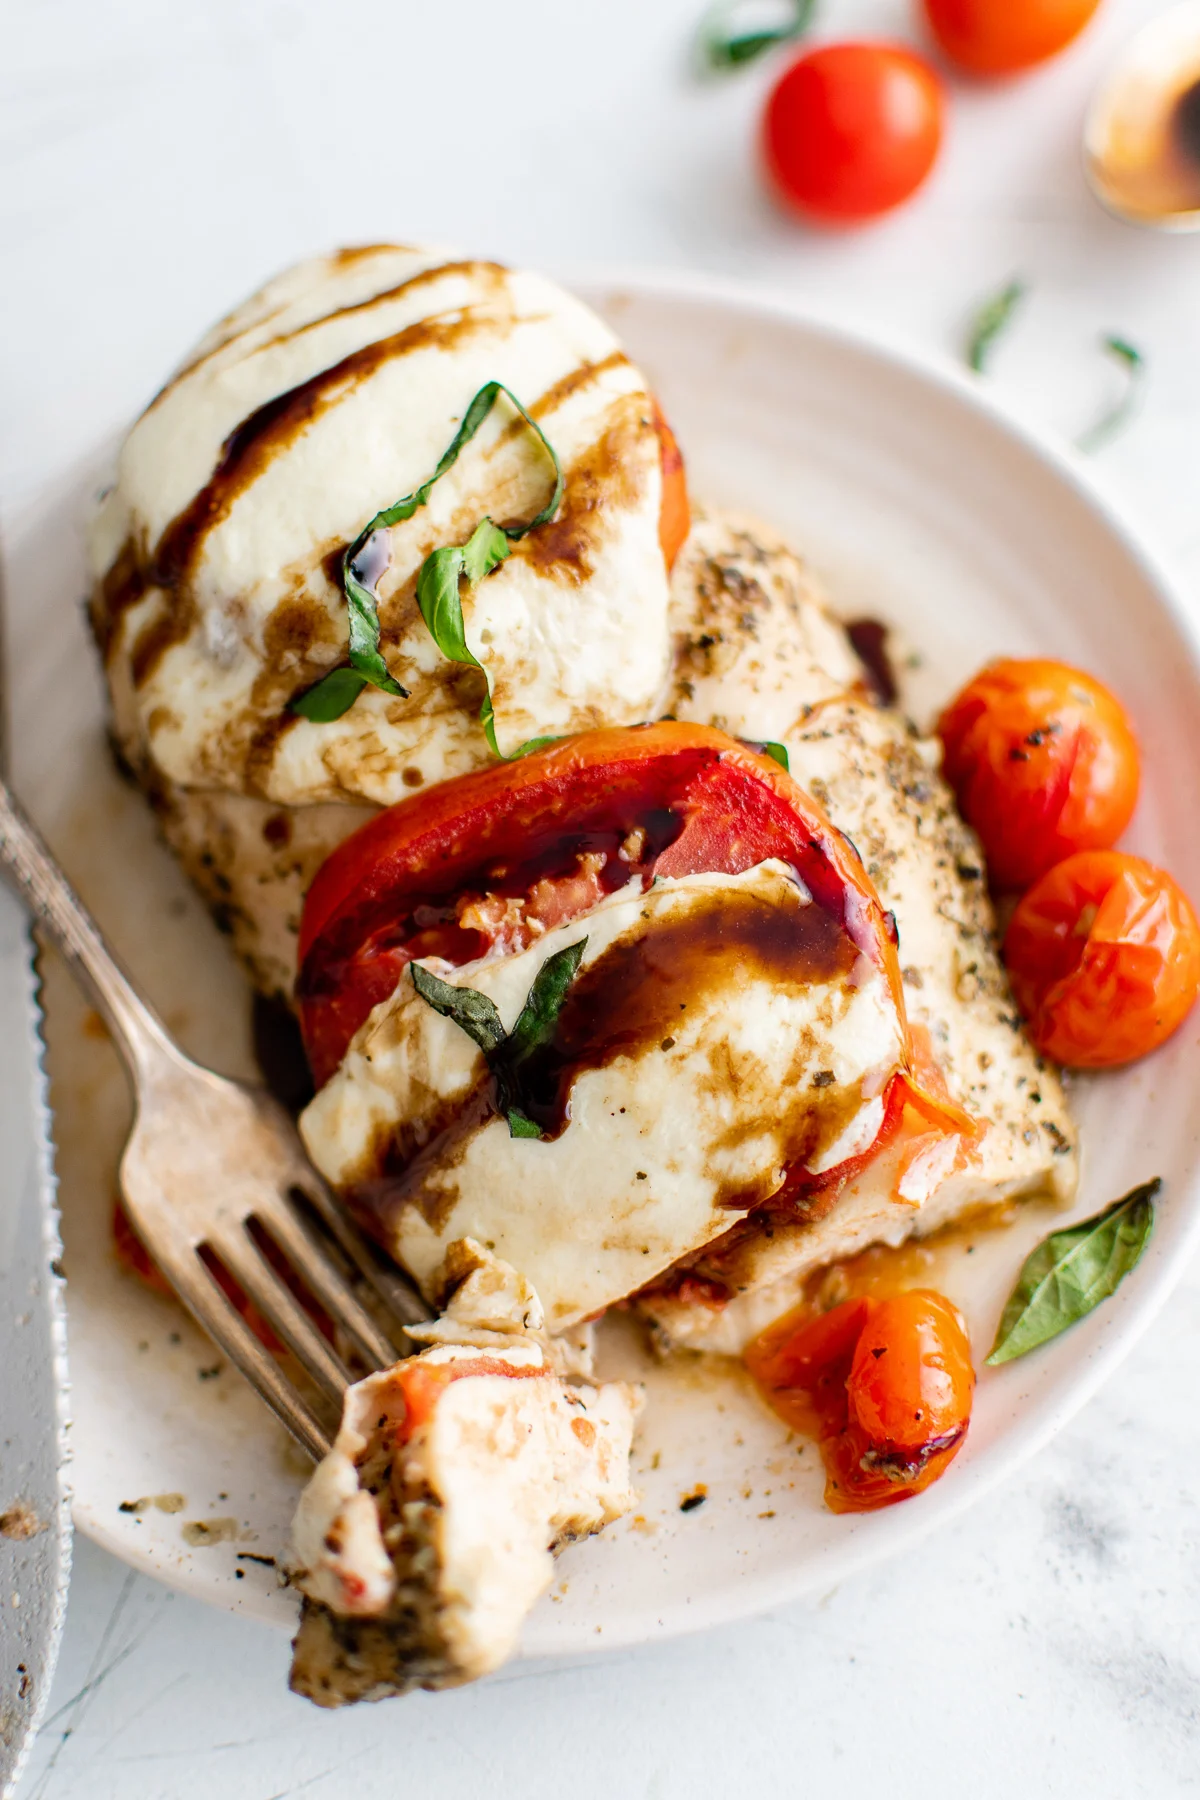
point(332, 696)
point(722, 47)
point(488, 546)
point(1072, 1271)
point(778, 753)
point(521, 1125)
point(539, 1015)
point(469, 1009)
point(993, 317)
point(438, 595)
point(477, 1016)
point(1118, 416)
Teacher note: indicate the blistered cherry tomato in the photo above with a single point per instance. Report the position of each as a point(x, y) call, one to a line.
point(851, 130)
point(1001, 37)
point(1043, 761)
point(1104, 958)
point(911, 1377)
point(884, 1385)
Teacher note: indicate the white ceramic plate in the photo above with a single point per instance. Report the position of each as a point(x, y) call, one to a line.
point(919, 503)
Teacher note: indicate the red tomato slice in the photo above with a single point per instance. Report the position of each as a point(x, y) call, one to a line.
point(466, 865)
point(424, 1383)
point(674, 513)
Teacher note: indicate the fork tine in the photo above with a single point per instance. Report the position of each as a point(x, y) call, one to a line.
point(326, 1285)
point(216, 1315)
point(397, 1292)
point(282, 1311)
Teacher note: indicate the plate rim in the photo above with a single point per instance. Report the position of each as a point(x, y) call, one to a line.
point(1161, 1270)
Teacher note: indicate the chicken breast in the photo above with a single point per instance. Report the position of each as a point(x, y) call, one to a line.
point(879, 782)
point(428, 1532)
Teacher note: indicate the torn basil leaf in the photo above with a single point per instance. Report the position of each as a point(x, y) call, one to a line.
point(472, 1011)
point(475, 1014)
point(521, 1125)
point(362, 568)
point(723, 44)
point(778, 753)
point(331, 697)
point(992, 318)
point(438, 583)
point(1072, 1271)
point(539, 1015)
point(1131, 360)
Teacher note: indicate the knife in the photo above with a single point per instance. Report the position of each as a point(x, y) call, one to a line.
point(35, 1522)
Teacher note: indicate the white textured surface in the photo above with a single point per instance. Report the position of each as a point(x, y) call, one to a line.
point(159, 161)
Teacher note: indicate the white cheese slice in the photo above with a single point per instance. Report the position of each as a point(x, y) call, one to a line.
point(665, 1145)
point(324, 399)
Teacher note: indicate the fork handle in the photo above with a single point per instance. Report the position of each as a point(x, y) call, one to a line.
point(36, 878)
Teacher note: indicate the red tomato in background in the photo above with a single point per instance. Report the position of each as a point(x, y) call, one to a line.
point(1104, 958)
point(1002, 37)
point(1043, 762)
point(851, 130)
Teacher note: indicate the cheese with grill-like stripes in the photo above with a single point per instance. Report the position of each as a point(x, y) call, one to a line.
point(325, 398)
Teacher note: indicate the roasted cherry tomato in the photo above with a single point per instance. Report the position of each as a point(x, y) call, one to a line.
point(1104, 958)
point(884, 1385)
point(851, 130)
point(1001, 37)
point(674, 513)
point(494, 858)
point(1043, 761)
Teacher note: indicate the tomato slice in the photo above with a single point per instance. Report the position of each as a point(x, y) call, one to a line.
point(674, 513)
point(423, 1384)
point(484, 861)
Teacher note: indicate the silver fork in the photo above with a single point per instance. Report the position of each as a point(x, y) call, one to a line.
point(210, 1165)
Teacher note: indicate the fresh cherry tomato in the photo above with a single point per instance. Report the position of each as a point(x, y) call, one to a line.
point(1001, 37)
point(1104, 958)
point(851, 130)
point(884, 1385)
point(1043, 761)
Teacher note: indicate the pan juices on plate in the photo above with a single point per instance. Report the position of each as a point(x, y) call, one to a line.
point(640, 953)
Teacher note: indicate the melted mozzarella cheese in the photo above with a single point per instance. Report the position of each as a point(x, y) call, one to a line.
point(664, 1146)
point(326, 398)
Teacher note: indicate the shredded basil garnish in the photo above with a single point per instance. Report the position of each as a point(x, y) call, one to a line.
point(991, 319)
point(723, 45)
point(507, 1053)
point(437, 583)
point(1131, 360)
point(1072, 1271)
point(778, 753)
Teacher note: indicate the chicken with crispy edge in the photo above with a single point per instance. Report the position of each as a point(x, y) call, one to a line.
point(429, 1530)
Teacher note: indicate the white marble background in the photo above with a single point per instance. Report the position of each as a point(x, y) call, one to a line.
point(158, 160)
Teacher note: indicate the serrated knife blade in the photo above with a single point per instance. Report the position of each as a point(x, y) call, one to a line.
point(35, 1522)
